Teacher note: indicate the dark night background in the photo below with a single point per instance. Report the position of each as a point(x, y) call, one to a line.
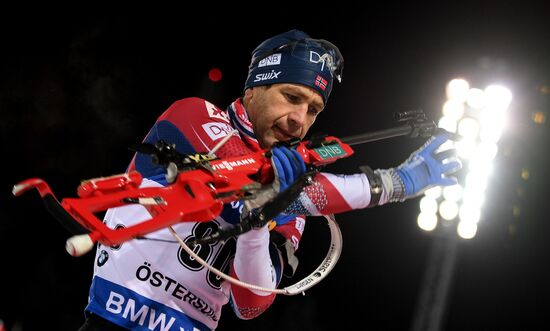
point(76, 91)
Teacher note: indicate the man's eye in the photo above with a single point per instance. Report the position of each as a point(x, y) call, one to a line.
point(313, 111)
point(292, 98)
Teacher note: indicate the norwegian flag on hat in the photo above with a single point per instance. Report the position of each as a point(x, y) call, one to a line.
point(321, 82)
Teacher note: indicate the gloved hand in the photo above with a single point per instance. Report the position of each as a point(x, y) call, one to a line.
point(425, 168)
point(288, 166)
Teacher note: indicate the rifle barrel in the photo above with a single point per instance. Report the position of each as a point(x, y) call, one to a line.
point(377, 135)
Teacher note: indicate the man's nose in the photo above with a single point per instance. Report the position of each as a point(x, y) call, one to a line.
point(297, 118)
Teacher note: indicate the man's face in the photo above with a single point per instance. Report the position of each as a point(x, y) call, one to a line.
point(281, 111)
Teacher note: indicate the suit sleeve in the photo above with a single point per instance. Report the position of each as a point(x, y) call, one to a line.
point(333, 194)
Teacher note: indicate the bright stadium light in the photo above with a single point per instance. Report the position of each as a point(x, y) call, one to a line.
point(473, 196)
point(453, 192)
point(457, 89)
point(486, 150)
point(447, 123)
point(448, 210)
point(428, 205)
point(427, 222)
point(434, 192)
point(466, 230)
point(468, 128)
point(498, 97)
point(453, 109)
point(475, 98)
point(478, 116)
point(465, 148)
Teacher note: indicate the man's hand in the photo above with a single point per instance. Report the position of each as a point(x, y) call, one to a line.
point(425, 168)
point(288, 166)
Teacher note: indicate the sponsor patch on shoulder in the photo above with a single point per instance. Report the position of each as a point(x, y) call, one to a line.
point(216, 130)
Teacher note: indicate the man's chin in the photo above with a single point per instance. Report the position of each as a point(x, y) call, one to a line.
point(268, 142)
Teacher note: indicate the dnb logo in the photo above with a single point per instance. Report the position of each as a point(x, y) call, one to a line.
point(272, 60)
point(216, 130)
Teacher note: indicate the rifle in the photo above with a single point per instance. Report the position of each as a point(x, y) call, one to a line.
point(200, 185)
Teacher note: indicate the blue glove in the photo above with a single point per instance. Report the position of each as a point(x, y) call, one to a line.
point(425, 169)
point(288, 166)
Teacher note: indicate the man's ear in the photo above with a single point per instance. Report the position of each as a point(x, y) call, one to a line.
point(248, 94)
